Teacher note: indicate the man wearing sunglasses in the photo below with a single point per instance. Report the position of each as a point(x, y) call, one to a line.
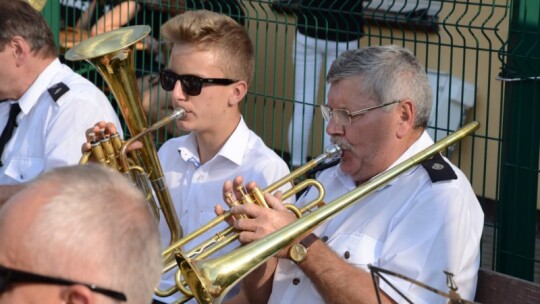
point(426, 221)
point(78, 234)
point(210, 68)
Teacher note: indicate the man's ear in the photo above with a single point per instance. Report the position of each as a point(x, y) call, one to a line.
point(21, 49)
point(77, 294)
point(407, 116)
point(239, 92)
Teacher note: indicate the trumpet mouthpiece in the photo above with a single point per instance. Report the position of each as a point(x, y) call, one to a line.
point(334, 150)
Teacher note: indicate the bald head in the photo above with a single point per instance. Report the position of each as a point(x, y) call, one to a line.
point(83, 223)
point(17, 217)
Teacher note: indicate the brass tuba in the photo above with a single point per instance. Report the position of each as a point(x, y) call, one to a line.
point(211, 279)
point(111, 53)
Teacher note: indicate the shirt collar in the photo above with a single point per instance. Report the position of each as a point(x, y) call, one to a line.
point(188, 150)
point(345, 179)
point(39, 86)
point(420, 144)
point(233, 149)
point(235, 146)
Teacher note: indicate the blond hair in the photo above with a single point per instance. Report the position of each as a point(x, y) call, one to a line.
point(211, 31)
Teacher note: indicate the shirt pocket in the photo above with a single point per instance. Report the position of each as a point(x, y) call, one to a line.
point(357, 249)
point(23, 169)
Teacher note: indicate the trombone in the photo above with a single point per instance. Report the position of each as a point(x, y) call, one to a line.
point(255, 196)
point(211, 279)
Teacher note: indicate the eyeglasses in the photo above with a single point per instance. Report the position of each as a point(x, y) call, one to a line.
point(343, 117)
point(10, 276)
point(191, 84)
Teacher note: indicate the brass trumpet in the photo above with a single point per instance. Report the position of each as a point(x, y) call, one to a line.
point(228, 235)
point(211, 279)
point(111, 53)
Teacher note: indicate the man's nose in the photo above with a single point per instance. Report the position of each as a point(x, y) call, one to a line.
point(177, 92)
point(333, 128)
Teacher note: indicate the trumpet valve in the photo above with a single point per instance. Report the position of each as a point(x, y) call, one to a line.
point(231, 201)
point(258, 196)
point(241, 190)
point(246, 197)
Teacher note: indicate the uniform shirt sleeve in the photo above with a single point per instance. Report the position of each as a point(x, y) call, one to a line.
point(442, 217)
point(66, 131)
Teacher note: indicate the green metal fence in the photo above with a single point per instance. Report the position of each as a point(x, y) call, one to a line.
point(482, 58)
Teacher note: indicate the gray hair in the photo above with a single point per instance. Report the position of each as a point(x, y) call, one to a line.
point(387, 73)
point(99, 222)
point(18, 18)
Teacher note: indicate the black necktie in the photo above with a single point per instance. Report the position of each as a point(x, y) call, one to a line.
point(10, 126)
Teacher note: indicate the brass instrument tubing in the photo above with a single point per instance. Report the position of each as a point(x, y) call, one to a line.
point(211, 279)
point(227, 236)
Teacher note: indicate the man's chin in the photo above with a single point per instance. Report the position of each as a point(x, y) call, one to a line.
point(184, 126)
point(346, 156)
point(346, 163)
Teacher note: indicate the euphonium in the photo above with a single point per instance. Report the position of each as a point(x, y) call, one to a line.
point(228, 235)
point(111, 53)
point(210, 279)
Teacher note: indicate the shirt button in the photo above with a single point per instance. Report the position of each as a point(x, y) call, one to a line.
point(347, 255)
point(296, 281)
point(324, 238)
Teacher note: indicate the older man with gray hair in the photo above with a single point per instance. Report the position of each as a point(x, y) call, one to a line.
point(426, 221)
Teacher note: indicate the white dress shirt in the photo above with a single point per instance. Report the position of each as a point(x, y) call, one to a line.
point(50, 133)
point(411, 226)
point(196, 188)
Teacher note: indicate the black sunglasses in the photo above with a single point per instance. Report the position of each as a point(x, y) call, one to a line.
point(10, 276)
point(191, 84)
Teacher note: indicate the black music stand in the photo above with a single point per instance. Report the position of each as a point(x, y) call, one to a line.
point(452, 295)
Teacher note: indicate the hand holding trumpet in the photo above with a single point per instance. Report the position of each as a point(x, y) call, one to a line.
point(252, 220)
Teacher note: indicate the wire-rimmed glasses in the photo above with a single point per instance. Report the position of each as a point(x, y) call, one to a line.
point(344, 117)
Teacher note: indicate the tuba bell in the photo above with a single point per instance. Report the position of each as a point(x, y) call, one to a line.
point(112, 55)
